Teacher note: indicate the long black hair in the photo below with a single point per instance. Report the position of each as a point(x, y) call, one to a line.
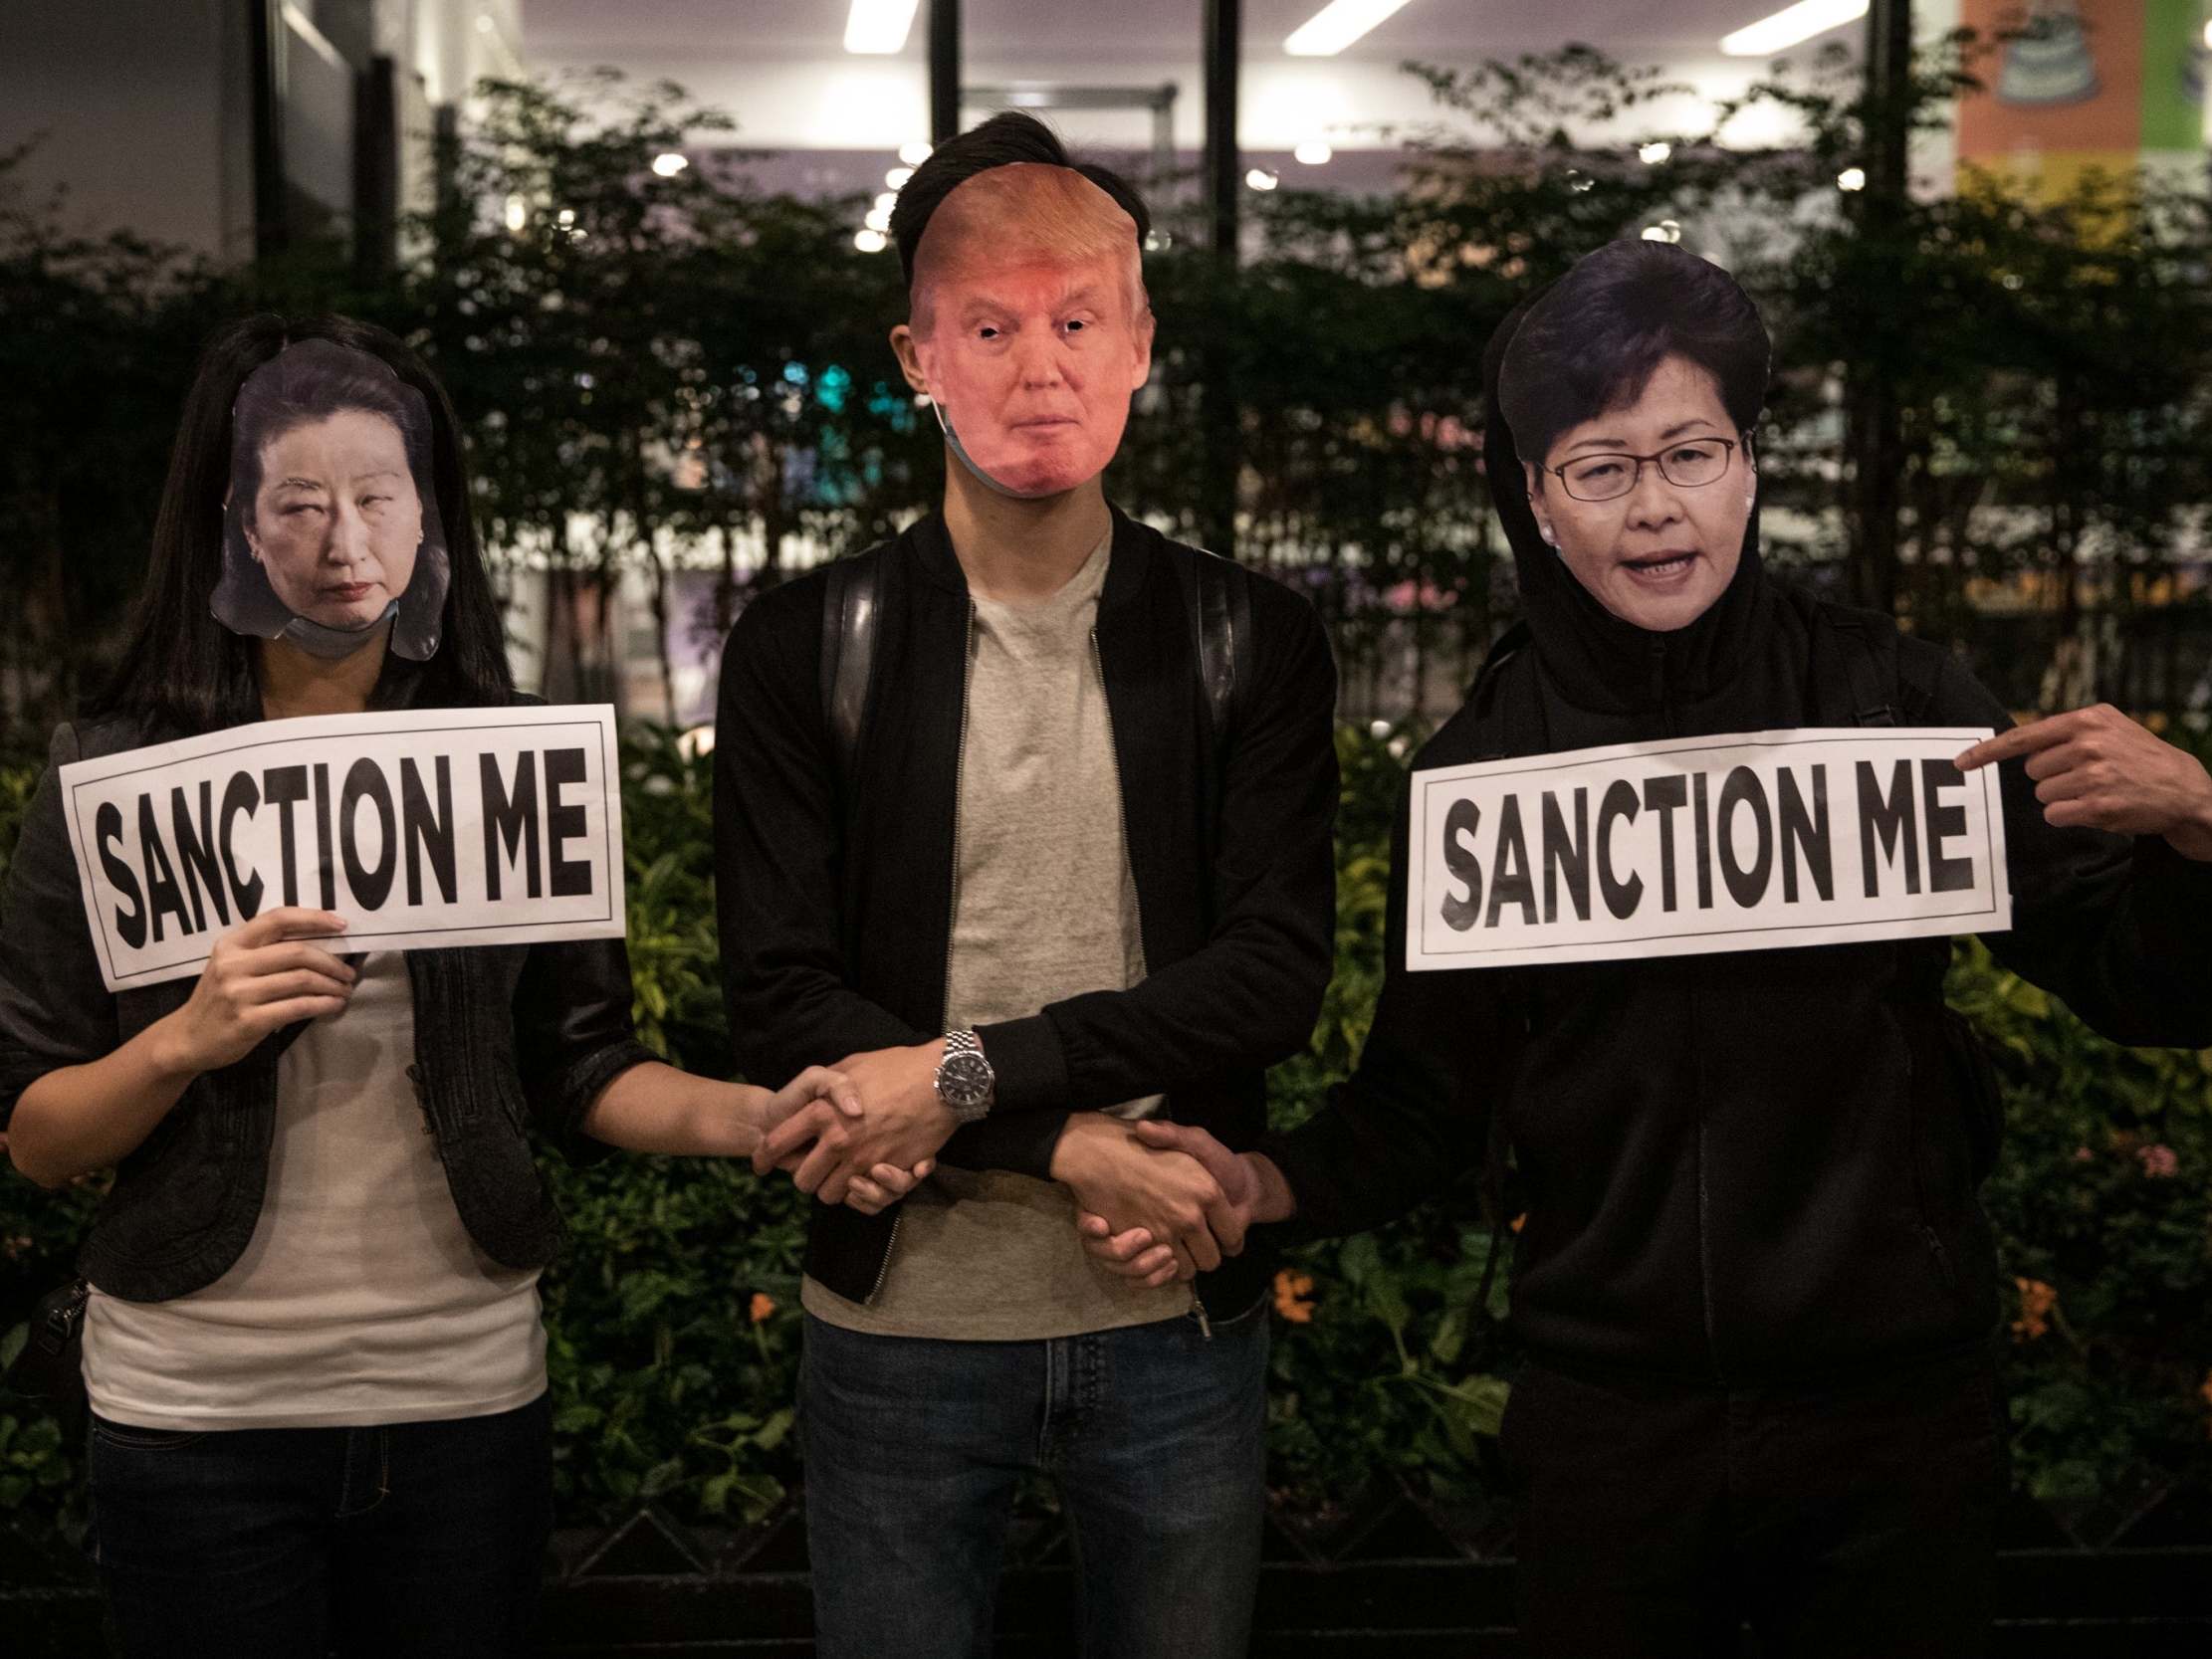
point(182, 672)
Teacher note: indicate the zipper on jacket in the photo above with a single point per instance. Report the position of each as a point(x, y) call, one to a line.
point(952, 919)
point(1121, 800)
point(1690, 968)
point(1920, 1207)
point(1704, 1190)
point(1135, 895)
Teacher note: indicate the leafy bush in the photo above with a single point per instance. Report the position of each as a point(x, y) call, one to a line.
point(674, 1320)
point(2103, 1204)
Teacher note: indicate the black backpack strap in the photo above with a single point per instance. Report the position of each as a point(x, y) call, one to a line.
point(1919, 661)
point(1864, 665)
point(1221, 595)
point(1863, 656)
point(850, 605)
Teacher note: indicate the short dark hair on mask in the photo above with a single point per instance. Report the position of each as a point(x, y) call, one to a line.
point(1591, 341)
point(1007, 137)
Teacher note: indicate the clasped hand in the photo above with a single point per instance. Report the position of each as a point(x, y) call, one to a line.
point(1158, 1202)
point(896, 1130)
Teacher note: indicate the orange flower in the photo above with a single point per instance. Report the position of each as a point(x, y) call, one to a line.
point(2036, 1300)
point(1293, 1296)
point(1516, 1222)
point(763, 1306)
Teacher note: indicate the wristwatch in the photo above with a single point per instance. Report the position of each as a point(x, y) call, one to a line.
point(965, 1080)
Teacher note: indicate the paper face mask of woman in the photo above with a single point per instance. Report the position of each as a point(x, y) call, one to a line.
point(1030, 329)
point(337, 521)
point(332, 526)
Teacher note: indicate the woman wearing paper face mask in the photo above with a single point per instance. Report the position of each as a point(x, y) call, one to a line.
point(1753, 1278)
point(311, 1341)
point(332, 527)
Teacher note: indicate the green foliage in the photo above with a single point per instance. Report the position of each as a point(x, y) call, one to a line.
point(668, 834)
point(1380, 1360)
point(2105, 1196)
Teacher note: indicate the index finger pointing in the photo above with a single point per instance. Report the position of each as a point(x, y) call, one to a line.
point(2021, 739)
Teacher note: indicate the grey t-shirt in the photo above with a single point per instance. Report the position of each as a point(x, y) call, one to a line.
point(1045, 907)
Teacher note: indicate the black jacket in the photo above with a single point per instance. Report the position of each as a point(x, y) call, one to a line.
point(503, 1034)
point(1746, 1167)
point(837, 893)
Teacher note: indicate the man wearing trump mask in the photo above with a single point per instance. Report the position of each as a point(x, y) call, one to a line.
point(1024, 818)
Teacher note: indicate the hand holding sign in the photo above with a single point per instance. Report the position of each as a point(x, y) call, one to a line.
point(2096, 768)
point(259, 978)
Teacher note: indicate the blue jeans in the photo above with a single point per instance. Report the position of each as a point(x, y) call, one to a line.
point(416, 1539)
point(1153, 1435)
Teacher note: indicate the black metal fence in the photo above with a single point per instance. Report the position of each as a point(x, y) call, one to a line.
point(1392, 1575)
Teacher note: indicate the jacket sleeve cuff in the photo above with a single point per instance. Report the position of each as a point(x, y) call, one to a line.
point(1029, 1064)
point(2175, 920)
point(582, 1083)
point(1291, 1156)
point(18, 1071)
point(1022, 1143)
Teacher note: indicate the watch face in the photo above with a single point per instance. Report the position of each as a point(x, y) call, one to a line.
point(964, 1081)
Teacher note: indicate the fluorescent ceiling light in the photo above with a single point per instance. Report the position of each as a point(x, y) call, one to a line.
point(878, 27)
point(1337, 25)
point(1791, 25)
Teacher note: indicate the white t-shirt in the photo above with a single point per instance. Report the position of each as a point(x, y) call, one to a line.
point(361, 1297)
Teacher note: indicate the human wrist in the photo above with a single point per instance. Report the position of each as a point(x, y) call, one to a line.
point(167, 1050)
point(1075, 1154)
point(2192, 838)
point(737, 1117)
point(1276, 1201)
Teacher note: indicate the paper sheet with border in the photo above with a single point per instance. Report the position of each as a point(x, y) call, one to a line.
point(1751, 841)
point(426, 828)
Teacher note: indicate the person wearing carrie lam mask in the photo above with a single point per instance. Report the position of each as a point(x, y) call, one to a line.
point(1024, 818)
point(1756, 1286)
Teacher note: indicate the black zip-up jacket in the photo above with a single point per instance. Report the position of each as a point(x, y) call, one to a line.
point(505, 1035)
point(1751, 1166)
point(835, 894)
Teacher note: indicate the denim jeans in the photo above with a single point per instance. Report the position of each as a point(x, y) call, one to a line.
point(1153, 1434)
point(1840, 1521)
point(417, 1538)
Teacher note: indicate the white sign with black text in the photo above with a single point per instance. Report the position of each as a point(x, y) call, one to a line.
point(423, 829)
point(1686, 846)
